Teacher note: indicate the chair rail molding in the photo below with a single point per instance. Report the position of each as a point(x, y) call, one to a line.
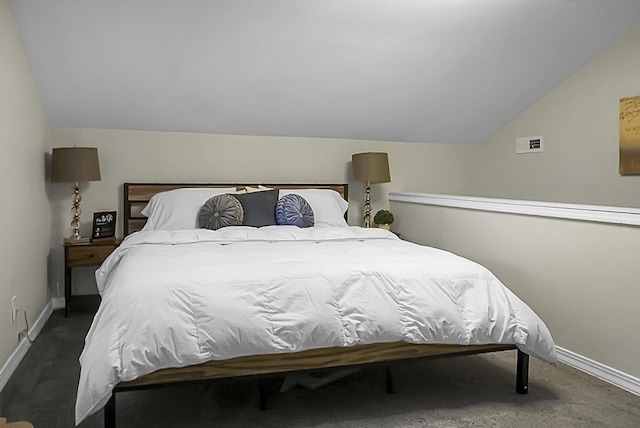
point(594, 213)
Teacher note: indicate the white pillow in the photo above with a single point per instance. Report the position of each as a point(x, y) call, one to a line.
point(178, 209)
point(327, 205)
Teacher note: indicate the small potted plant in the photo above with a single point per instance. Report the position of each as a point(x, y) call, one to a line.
point(383, 219)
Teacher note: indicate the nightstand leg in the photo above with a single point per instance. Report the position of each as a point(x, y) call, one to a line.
point(67, 290)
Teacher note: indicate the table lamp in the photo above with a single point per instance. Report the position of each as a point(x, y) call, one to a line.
point(73, 165)
point(370, 168)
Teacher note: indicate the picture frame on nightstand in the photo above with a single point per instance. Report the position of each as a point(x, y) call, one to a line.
point(104, 225)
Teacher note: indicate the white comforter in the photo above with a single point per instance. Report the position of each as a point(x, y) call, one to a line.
point(172, 299)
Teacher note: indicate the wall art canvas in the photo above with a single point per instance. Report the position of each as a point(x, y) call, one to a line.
point(630, 136)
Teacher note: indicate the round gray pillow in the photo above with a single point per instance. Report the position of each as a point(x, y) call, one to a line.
point(294, 210)
point(220, 211)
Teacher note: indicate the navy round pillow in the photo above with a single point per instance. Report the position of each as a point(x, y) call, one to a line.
point(294, 210)
point(220, 211)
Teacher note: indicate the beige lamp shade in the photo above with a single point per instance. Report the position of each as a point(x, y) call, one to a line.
point(74, 164)
point(371, 167)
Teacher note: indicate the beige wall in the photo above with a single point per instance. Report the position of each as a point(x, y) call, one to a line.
point(582, 278)
point(130, 156)
point(25, 225)
point(579, 120)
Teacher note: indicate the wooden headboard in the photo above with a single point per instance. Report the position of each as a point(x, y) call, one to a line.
point(136, 196)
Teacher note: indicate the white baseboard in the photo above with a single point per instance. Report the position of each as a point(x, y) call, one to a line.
point(596, 369)
point(58, 303)
point(23, 346)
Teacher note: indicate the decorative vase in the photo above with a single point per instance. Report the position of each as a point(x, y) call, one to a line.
point(385, 226)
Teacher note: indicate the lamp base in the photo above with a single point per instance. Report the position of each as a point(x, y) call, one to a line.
point(367, 205)
point(75, 237)
point(73, 240)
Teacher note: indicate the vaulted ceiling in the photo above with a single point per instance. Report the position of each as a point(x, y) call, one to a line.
point(442, 71)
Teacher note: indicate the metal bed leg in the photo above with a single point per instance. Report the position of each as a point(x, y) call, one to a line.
point(110, 412)
point(262, 395)
point(388, 380)
point(522, 373)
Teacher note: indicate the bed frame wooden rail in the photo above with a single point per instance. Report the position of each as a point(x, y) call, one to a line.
point(262, 366)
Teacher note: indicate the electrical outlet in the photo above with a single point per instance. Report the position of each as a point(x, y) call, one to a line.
point(14, 310)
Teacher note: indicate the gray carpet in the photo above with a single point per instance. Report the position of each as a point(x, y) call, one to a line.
point(455, 392)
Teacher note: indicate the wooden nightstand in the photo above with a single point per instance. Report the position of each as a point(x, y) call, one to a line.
point(87, 254)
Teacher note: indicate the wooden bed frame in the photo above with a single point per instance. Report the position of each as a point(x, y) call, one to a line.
point(136, 195)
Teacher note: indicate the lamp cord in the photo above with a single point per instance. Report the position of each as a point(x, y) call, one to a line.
point(25, 331)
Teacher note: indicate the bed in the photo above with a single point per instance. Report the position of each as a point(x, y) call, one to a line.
point(182, 303)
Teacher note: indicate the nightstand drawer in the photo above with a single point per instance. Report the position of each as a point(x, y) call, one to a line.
point(90, 254)
point(86, 256)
